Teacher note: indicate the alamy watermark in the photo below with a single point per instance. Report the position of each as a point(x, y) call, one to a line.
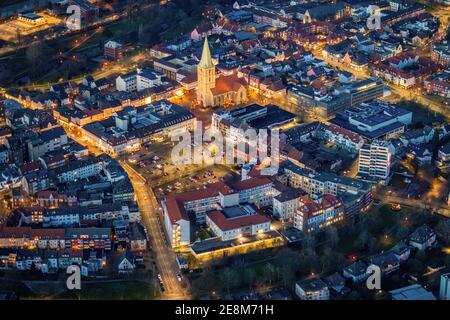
point(74, 20)
point(237, 146)
point(373, 282)
point(374, 19)
point(74, 280)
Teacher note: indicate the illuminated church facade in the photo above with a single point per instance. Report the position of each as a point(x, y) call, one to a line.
point(213, 91)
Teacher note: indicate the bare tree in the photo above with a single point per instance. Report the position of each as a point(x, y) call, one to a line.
point(229, 279)
point(332, 236)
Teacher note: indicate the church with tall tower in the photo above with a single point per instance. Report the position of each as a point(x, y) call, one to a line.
point(213, 91)
point(206, 76)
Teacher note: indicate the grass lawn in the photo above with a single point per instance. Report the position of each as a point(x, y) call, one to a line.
point(204, 234)
point(123, 290)
point(178, 29)
point(17, 286)
point(385, 229)
point(421, 113)
point(398, 182)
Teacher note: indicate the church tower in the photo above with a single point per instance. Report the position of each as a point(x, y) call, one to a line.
point(206, 77)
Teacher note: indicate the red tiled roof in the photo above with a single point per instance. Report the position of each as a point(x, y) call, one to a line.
point(175, 201)
point(175, 210)
point(251, 183)
point(46, 194)
point(30, 167)
point(47, 233)
point(5, 131)
point(211, 190)
point(353, 136)
point(226, 84)
point(290, 151)
point(225, 224)
point(15, 232)
point(27, 232)
point(204, 28)
point(313, 208)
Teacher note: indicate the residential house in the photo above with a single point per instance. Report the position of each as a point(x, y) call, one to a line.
point(312, 289)
point(387, 262)
point(423, 238)
point(126, 263)
point(357, 271)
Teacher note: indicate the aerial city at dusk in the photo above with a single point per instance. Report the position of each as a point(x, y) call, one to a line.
point(225, 150)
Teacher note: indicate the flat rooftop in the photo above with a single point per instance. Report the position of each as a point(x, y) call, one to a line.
point(214, 244)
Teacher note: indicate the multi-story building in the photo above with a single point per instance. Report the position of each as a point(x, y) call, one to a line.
point(137, 237)
point(286, 203)
point(439, 84)
point(88, 238)
point(79, 169)
point(235, 222)
point(357, 271)
point(176, 222)
point(178, 206)
point(315, 214)
point(344, 138)
point(134, 126)
point(28, 238)
point(365, 90)
point(376, 160)
point(423, 238)
point(440, 52)
point(257, 191)
point(406, 70)
point(26, 258)
point(138, 81)
point(340, 99)
point(355, 194)
point(47, 141)
point(84, 215)
point(388, 262)
point(312, 289)
point(88, 11)
point(444, 287)
point(375, 120)
point(112, 50)
point(444, 154)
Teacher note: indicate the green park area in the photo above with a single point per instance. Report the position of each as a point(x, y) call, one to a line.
point(377, 230)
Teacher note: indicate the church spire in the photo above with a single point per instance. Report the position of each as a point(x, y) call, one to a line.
point(206, 60)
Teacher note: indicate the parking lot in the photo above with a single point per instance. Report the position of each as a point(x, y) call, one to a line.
point(196, 180)
point(11, 28)
point(154, 162)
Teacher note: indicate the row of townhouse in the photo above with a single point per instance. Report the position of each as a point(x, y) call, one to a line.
point(80, 169)
point(343, 138)
point(82, 215)
point(51, 261)
point(55, 239)
point(26, 237)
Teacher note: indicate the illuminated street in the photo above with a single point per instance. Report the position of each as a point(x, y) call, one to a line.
point(165, 257)
point(237, 151)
